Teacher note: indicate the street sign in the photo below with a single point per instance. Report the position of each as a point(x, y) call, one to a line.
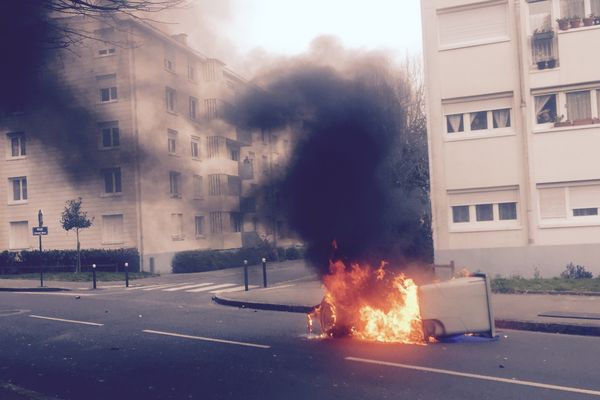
point(40, 230)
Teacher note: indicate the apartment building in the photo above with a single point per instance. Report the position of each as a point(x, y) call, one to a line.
point(513, 97)
point(156, 164)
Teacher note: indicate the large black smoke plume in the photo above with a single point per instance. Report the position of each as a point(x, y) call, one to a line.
point(342, 183)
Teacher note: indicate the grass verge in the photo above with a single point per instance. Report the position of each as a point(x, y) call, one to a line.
point(81, 276)
point(522, 285)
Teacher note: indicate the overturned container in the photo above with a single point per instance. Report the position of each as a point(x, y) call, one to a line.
point(457, 306)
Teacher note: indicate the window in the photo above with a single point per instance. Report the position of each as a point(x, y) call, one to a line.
point(573, 8)
point(177, 226)
point(216, 222)
point(172, 141)
point(217, 146)
point(199, 226)
point(171, 99)
point(112, 229)
point(106, 51)
point(174, 184)
point(193, 108)
point(479, 121)
point(209, 70)
point(197, 182)
point(473, 25)
point(216, 185)
point(195, 148)
point(583, 212)
point(460, 214)
point(19, 189)
point(17, 144)
point(454, 123)
point(234, 154)
point(484, 209)
point(109, 134)
point(169, 59)
point(545, 108)
point(108, 94)
point(210, 108)
point(579, 106)
point(112, 180)
point(564, 203)
point(507, 211)
point(191, 71)
point(18, 237)
point(484, 212)
point(236, 220)
point(566, 108)
point(108, 87)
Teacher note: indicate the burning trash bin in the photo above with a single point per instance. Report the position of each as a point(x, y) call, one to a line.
point(380, 305)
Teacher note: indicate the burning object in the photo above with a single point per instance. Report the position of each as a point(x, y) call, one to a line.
point(381, 305)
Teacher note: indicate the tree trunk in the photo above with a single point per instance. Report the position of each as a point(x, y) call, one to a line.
point(78, 252)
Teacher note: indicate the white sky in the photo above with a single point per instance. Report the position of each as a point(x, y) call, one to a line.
point(288, 26)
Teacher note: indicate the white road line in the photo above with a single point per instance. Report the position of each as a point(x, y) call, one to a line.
point(261, 346)
point(277, 287)
point(234, 289)
point(150, 287)
point(61, 293)
point(187, 287)
point(477, 376)
point(67, 320)
point(213, 287)
point(165, 286)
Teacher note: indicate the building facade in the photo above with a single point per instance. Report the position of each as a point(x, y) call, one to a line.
point(154, 161)
point(513, 105)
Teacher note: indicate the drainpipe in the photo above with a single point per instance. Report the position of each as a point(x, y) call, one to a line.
point(137, 175)
point(523, 97)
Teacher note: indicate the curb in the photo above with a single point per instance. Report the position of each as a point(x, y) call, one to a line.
point(35, 289)
point(263, 306)
point(565, 329)
point(551, 292)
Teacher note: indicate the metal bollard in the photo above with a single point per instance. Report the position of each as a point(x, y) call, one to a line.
point(94, 275)
point(246, 275)
point(41, 276)
point(264, 265)
point(126, 274)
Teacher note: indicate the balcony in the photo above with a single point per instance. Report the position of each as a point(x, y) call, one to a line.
point(544, 52)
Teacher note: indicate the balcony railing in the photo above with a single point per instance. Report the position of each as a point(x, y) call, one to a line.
point(544, 52)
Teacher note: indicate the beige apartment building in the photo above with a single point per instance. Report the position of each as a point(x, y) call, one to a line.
point(513, 105)
point(165, 172)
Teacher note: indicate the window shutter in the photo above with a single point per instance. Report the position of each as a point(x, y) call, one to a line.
point(585, 196)
point(473, 25)
point(552, 203)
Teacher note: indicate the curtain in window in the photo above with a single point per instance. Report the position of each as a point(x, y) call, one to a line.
point(541, 105)
point(572, 8)
point(579, 106)
point(501, 118)
point(454, 121)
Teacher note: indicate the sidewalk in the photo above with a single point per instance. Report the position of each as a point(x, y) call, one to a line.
point(567, 314)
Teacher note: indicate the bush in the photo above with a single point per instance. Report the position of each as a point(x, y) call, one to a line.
point(14, 262)
point(575, 272)
point(210, 260)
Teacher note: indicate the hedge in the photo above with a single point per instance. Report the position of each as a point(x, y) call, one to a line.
point(65, 260)
point(210, 260)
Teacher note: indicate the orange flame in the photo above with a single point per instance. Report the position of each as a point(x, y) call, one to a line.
point(376, 305)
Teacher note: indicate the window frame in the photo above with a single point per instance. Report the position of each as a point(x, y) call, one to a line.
point(116, 182)
point(23, 190)
point(195, 148)
point(21, 139)
point(199, 233)
point(466, 123)
point(562, 115)
point(113, 132)
point(172, 135)
point(569, 219)
point(474, 224)
point(170, 100)
point(112, 92)
point(175, 185)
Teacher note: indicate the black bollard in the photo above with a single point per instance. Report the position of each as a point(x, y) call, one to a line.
point(246, 275)
point(94, 275)
point(264, 265)
point(41, 276)
point(126, 274)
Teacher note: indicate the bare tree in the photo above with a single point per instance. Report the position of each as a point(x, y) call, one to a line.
point(73, 217)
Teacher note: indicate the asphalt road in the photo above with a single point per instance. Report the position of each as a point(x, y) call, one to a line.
point(159, 344)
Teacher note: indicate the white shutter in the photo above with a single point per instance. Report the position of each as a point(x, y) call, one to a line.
point(112, 229)
point(19, 235)
point(483, 197)
point(585, 196)
point(552, 203)
point(473, 25)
